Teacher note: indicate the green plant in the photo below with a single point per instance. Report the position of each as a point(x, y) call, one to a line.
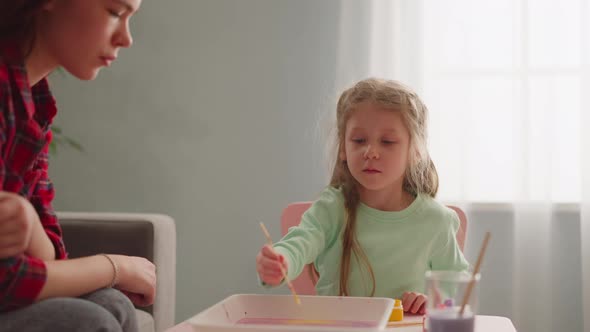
point(61, 140)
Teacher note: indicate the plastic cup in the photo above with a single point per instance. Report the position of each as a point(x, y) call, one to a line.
point(446, 292)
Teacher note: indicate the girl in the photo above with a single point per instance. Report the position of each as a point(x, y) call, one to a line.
point(40, 289)
point(376, 229)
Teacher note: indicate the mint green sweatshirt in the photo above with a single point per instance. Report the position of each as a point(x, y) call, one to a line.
point(401, 246)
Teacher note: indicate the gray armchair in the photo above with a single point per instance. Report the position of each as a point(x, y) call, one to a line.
point(152, 236)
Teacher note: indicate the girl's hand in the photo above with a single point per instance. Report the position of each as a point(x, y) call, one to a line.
point(17, 220)
point(414, 302)
point(137, 279)
point(268, 265)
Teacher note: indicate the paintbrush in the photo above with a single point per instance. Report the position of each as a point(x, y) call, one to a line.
point(269, 241)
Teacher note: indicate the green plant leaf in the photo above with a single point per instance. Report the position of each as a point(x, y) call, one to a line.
point(74, 144)
point(61, 140)
point(53, 149)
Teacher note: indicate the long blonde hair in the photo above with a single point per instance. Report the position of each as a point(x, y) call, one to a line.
point(420, 176)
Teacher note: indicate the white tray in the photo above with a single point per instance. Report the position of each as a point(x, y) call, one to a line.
point(368, 314)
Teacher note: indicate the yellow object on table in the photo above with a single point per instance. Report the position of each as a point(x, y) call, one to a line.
point(397, 314)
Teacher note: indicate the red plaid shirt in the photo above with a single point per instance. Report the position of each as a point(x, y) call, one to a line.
point(27, 113)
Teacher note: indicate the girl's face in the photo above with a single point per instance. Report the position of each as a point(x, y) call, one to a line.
point(376, 147)
point(82, 36)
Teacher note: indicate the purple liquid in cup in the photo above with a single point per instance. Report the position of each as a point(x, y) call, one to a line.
point(450, 322)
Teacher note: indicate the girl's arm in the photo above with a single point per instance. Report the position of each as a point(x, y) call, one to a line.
point(319, 228)
point(448, 254)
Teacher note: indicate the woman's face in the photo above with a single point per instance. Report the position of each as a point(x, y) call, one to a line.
point(83, 36)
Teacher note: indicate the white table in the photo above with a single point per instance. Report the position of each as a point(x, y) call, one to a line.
point(482, 324)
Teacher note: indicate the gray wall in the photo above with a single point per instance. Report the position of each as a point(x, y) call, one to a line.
point(210, 118)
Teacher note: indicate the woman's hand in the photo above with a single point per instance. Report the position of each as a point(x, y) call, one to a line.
point(137, 279)
point(17, 221)
point(268, 265)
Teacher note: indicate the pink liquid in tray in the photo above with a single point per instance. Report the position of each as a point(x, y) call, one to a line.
point(307, 322)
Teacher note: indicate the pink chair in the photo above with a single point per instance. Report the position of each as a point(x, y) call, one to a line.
point(305, 283)
point(462, 232)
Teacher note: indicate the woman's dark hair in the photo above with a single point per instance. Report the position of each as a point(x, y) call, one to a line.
point(18, 22)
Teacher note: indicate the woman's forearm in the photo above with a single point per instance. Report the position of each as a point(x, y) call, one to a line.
point(75, 277)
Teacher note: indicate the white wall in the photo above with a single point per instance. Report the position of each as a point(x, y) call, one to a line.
point(210, 118)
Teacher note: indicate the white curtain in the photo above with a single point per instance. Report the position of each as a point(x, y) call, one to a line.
point(585, 227)
point(507, 83)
